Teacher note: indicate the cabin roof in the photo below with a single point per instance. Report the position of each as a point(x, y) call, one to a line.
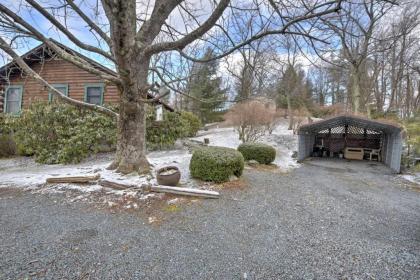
point(42, 52)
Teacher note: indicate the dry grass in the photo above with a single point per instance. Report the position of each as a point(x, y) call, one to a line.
point(241, 183)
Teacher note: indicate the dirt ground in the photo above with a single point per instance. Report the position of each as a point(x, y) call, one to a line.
point(327, 219)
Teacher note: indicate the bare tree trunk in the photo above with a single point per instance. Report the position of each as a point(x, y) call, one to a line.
point(408, 98)
point(355, 88)
point(131, 144)
point(289, 112)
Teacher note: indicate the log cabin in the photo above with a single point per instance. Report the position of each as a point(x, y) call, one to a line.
point(17, 91)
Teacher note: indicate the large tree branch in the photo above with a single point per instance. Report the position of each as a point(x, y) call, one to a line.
point(31, 73)
point(91, 24)
point(151, 27)
point(66, 32)
point(76, 60)
point(195, 34)
point(283, 30)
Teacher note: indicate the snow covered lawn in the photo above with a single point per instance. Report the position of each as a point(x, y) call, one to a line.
point(281, 139)
point(24, 173)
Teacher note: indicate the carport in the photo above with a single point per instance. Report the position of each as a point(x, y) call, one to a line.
point(352, 137)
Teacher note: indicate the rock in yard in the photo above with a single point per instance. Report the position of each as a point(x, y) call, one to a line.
point(233, 178)
point(252, 162)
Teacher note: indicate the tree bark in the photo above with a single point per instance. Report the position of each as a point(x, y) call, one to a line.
point(355, 89)
point(290, 112)
point(131, 143)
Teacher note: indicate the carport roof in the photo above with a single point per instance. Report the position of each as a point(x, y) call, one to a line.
point(349, 120)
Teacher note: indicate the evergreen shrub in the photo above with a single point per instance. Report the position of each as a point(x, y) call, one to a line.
point(264, 154)
point(216, 164)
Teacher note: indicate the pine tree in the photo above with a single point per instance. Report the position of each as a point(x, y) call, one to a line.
point(294, 91)
point(207, 91)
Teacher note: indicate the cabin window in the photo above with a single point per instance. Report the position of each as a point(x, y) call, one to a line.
point(13, 99)
point(94, 93)
point(63, 88)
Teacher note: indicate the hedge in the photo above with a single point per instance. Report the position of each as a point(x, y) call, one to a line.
point(216, 164)
point(60, 133)
point(7, 145)
point(262, 153)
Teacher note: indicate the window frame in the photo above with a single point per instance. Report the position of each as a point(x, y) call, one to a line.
point(20, 87)
point(50, 95)
point(100, 85)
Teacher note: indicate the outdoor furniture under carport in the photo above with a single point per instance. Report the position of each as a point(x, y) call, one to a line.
point(355, 137)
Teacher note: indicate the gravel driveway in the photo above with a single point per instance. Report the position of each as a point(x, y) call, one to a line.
point(324, 220)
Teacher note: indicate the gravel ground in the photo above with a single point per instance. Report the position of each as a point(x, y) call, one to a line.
point(324, 220)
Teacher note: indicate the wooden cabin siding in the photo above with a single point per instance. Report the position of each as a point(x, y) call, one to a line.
point(58, 71)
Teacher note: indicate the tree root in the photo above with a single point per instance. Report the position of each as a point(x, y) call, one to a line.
point(142, 166)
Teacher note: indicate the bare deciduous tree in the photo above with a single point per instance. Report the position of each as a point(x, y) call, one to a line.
point(130, 34)
point(252, 119)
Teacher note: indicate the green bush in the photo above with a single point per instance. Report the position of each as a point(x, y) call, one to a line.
point(163, 134)
point(61, 133)
point(216, 164)
point(191, 123)
point(7, 146)
point(262, 153)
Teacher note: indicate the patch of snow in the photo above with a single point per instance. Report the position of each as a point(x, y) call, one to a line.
point(173, 201)
point(147, 196)
point(282, 139)
point(223, 137)
point(413, 178)
point(152, 219)
point(26, 173)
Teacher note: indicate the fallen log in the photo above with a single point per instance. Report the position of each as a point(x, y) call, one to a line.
point(74, 179)
point(115, 185)
point(184, 191)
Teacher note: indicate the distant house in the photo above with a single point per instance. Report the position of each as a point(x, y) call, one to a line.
point(17, 91)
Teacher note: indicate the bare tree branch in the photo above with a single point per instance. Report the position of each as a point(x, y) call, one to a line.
point(151, 27)
point(283, 30)
point(66, 32)
point(91, 24)
point(63, 54)
point(194, 35)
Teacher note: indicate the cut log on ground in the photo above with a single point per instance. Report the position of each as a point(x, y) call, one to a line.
point(184, 191)
point(114, 185)
point(74, 179)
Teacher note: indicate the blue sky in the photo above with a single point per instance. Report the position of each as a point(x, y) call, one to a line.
point(77, 26)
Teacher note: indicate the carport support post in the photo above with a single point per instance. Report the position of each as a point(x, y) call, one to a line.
point(305, 143)
point(346, 130)
point(384, 148)
point(329, 141)
point(396, 146)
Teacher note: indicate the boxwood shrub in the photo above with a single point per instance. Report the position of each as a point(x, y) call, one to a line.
point(216, 164)
point(264, 154)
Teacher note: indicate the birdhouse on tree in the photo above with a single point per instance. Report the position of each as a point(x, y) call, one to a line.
point(159, 113)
